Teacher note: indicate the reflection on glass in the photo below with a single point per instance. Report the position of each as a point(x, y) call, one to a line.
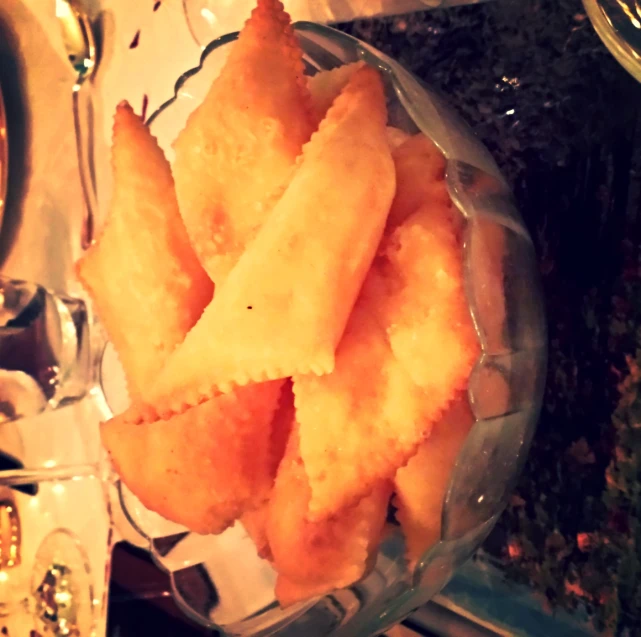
point(61, 585)
point(618, 23)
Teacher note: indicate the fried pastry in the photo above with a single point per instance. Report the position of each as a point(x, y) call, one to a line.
point(239, 147)
point(145, 280)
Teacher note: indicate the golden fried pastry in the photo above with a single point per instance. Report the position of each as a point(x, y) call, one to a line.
point(359, 423)
point(284, 307)
point(331, 368)
point(282, 425)
point(255, 523)
point(396, 137)
point(416, 291)
point(202, 468)
point(255, 520)
point(410, 331)
point(420, 179)
point(238, 148)
point(143, 276)
point(420, 486)
point(326, 86)
point(315, 558)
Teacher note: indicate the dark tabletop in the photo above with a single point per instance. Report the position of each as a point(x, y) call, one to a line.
point(562, 120)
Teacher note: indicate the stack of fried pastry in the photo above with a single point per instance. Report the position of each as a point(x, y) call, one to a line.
point(287, 303)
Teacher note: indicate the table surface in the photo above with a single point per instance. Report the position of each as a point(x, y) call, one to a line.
point(562, 119)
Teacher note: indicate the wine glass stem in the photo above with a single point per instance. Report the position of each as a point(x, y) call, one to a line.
point(82, 103)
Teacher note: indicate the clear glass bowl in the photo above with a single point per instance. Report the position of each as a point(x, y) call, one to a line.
point(218, 580)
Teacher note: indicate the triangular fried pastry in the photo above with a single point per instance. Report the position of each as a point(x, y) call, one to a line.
point(315, 558)
point(239, 146)
point(284, 307)
point(326, 86)
point(396, 137)
point(359, 423)
point(143, 276)
point(255, 523)
point(255, 520)
point(421, 485)
point(420, 178)
point(409, 346)
point(202, 468)
point(416, 291)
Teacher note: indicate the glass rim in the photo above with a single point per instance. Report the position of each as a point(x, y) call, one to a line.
point(623, 52)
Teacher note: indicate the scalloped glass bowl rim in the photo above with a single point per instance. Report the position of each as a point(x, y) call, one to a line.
point(370, 55)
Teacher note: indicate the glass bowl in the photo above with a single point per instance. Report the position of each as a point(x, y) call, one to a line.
point(218, 580)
